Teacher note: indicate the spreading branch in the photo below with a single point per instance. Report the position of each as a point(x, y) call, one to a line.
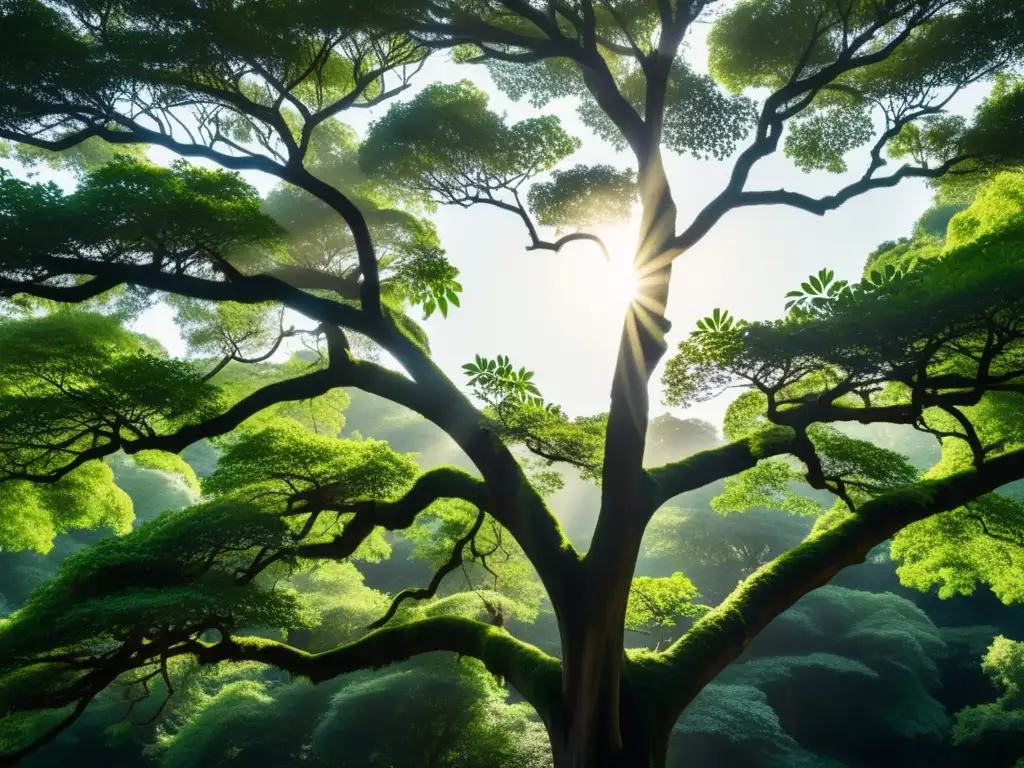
point(822, 205)
point(794, 98)
point(429, 393)
point(535, 675)
point(700, 469)
point(433, 485)
point(721, 636)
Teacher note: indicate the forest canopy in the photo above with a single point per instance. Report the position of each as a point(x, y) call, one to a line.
point(304, 526)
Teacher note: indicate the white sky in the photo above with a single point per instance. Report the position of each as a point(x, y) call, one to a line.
point(560, 314)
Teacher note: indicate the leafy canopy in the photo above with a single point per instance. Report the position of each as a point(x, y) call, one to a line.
point(929, 339)
point(936, 346)
point(447, 144)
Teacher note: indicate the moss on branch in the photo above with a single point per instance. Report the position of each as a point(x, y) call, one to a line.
point(718, 638)
point(435, 484)
point(533, 673)
point(714, 464)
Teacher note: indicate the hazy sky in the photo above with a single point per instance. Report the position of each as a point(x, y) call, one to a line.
point(560, 314)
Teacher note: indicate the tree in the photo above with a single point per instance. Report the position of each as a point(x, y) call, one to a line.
point(837, 665)
point(257, 86)
point(448, 713)
point(994, 731)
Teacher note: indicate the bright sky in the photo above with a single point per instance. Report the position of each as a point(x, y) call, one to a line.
point(560, 314)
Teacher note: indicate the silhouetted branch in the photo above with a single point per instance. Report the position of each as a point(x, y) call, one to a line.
point(451, 564)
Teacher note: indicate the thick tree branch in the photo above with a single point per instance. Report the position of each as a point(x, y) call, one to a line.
point(299, 388)
point(430, 393)
point(821, 206)
point(367, 376)
point(715, 640)
point(700, 469)
point(535, 675)
point(293, 173)
point(310, 279)
point(433, 485)
point(243, 289)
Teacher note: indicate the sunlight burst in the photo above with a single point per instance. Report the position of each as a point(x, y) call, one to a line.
point(614, 278)
point(620, 283)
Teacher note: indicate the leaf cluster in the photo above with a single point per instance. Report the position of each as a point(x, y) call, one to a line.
point(72, 380)
point(172, 577)
point(446, 145)
point(997, 726)
point(584, 195)
point(133, 66)
point(662, 602)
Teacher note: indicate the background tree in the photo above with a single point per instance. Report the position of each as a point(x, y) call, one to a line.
point(256, 86)
point(994, 731)
point(795, 697)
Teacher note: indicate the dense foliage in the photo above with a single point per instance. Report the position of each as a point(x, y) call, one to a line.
point(204, 563)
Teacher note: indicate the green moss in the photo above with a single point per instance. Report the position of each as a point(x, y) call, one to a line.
point(539, 675)
point(771, 441)
point(646, 689)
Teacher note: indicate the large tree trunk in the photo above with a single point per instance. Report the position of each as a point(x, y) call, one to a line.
point(606, 725)
point(634, 754)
